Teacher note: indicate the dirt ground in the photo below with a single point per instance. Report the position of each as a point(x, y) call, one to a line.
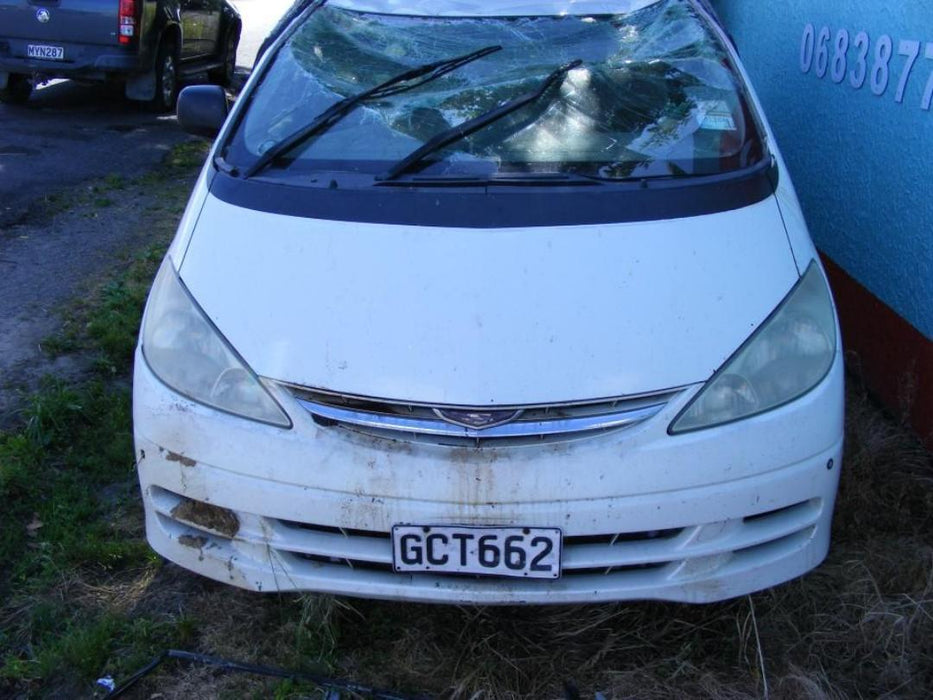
point(49, 260)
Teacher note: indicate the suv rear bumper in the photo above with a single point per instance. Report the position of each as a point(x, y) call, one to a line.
point(81, 61)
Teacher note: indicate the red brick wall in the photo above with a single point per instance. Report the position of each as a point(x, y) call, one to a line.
point(893, 358)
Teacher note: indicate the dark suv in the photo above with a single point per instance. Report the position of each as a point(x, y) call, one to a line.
point(149, 45)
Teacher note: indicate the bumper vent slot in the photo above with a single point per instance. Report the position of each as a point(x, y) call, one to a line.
point(644, 559)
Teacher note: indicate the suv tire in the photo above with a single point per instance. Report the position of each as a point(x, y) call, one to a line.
point(224, 74)
point(17, 91)
point(166, 77)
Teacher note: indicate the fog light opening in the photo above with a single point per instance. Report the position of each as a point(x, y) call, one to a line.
point(205, 516)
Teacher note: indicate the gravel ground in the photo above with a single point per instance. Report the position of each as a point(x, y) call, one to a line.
point(49, 261)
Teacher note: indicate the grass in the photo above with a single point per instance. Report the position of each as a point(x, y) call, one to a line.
point(82, 596)
point(72, 518)
point(113, 321)
point(68, 520)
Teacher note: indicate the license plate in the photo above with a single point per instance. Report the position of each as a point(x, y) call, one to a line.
point(523, 552)
point(49, 53)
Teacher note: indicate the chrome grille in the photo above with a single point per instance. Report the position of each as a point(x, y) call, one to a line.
point(534, 423)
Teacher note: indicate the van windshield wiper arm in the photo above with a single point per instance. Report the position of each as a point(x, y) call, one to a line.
point(337, 111)
point(461, 131)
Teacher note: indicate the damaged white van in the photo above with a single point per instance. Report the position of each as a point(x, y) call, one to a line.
point(491, 303)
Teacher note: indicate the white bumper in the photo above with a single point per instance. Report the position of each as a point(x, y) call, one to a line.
point(695, 518)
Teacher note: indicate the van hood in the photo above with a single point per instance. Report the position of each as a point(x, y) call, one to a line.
point(478, 317)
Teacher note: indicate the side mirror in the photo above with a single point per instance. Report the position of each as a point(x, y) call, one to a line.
point(202, 109)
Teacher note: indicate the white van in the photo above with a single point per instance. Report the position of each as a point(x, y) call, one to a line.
point(491, 303)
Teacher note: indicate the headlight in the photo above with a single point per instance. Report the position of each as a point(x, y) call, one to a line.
point(788, 355)
point(184, 349)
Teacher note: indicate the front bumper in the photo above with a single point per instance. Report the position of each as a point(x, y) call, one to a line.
point(694, 518)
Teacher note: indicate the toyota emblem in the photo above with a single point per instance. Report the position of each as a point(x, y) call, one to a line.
point(477, 419)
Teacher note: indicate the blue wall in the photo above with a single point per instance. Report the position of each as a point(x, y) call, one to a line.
point(862, 163)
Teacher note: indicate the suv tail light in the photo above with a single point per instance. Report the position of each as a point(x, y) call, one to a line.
point(127, 21)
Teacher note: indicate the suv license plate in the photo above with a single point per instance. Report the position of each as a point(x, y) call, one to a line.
point(49, 53)
point(523, 552)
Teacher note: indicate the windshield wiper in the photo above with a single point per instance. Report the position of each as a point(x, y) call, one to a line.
point(461, 131)
point(338, 110)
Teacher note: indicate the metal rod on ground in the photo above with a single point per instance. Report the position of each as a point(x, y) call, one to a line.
point(226, 665)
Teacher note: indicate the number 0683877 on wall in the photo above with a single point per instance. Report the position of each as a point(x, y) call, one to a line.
point(857, 58)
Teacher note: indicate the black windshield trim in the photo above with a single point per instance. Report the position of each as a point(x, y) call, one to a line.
point(506, 207)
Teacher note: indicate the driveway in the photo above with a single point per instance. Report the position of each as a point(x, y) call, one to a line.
point(70, 133)
point(65, 138)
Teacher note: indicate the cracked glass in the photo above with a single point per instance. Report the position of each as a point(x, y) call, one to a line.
point(656, 95)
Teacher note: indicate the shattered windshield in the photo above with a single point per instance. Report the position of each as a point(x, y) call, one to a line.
point(655, 95)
